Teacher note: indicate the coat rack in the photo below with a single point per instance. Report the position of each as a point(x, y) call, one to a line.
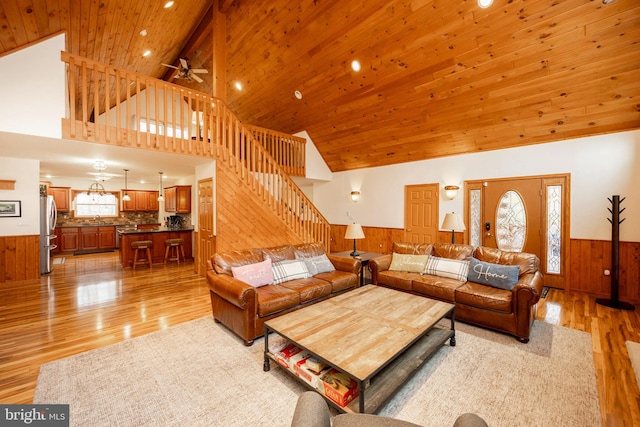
point(615, 221)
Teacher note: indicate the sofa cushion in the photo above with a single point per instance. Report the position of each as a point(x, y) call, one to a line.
point(339, 280)
point(318, 264)
point(279, 253)
point(452, 250)
point(309, 250)
point(411, 248)
point(496, 275)
point(408, 262)
point(397, 279)
point(309, 289)
point(275, 298)
point(445, 267)
point(484, 297)
point(222, 263)
point(437, 287)
point(289, 270)
point(256, 275)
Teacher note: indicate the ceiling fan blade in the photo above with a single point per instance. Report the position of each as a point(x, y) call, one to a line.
point(196, 78)
point(184, 63)
point(170, 66)
point(200, 70)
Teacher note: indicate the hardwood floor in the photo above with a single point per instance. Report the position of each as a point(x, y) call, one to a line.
point(90, 302)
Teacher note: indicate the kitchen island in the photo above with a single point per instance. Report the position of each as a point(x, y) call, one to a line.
point(158, 236)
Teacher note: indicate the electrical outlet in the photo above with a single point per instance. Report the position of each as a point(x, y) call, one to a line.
point(348, 213)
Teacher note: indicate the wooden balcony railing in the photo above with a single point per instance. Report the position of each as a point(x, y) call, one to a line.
point(121, 108)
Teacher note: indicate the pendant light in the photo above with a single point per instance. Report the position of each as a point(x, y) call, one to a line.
point(126, 197)
point(160, 198)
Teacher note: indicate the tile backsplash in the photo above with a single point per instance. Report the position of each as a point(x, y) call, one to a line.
point(67, 219)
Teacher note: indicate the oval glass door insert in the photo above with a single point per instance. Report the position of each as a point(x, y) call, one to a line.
point(511, 222)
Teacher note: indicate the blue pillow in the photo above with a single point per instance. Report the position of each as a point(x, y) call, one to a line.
point(496, 275)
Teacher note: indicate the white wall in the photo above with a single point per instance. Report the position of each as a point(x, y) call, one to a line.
point(600, 167)
point(33, 93)
point(25, 172)
point(316, 168)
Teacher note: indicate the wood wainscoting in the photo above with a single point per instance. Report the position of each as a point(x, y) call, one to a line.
point(19, 258)
point(587, 259)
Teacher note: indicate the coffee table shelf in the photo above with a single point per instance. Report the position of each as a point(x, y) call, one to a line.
point(377, 336)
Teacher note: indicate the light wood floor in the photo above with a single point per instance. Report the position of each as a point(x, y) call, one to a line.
point(90, 302)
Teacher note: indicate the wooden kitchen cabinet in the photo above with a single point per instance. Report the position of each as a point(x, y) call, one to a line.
point(177, 199)
point(106, 237)
point(141, 200)
point(62, 197)
point(89, 238)
point(67, 239)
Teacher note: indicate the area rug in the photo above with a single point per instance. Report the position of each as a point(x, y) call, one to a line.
point(633, 348)
point(199, 374)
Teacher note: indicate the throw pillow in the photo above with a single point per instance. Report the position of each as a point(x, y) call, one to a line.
point(408, 262)
point(496, 275)
point(289, 270)
point(256, 275)
point(445, 267)
point(318, 264)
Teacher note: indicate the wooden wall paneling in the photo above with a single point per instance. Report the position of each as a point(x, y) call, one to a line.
point(19, 258)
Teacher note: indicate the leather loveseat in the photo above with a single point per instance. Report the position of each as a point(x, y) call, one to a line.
point(506, 310)
point(243, 307)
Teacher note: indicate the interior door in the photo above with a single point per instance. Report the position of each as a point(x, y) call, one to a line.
point(206, 242)
point(421, 213)
point(512, 214)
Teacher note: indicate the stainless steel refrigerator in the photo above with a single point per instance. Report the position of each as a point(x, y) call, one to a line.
point(48, 218)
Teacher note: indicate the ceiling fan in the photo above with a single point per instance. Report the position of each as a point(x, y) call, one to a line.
point(186, 72)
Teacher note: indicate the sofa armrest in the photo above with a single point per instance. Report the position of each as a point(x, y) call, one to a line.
point(528, 289)
point(349, 265)
point(232, 290)
point(378, 264)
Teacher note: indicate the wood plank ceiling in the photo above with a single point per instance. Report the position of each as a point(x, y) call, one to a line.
point(438, 78)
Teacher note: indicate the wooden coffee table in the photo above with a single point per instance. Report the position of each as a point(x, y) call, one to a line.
point(377, 336)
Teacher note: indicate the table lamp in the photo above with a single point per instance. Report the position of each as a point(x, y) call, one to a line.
point(453, 221)
point(354, 231)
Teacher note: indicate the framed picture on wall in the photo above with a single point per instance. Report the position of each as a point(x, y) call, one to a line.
point(10, 208)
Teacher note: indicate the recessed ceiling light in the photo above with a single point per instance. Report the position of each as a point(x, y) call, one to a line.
point(146, 53)
point(485, 3)
point(168, 4)
point(355, 65)
point(297, 94)
point(238, 85)
point(143, 33)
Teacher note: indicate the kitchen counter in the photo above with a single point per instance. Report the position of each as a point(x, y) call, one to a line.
point(158, 236)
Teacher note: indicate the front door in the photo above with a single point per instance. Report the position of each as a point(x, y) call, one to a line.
point(206, 246)
point(421, 213)
point(513, 215)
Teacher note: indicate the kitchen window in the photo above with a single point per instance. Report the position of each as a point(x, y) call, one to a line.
point(96, 205)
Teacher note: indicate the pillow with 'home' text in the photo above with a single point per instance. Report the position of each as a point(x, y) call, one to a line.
point(496, 275)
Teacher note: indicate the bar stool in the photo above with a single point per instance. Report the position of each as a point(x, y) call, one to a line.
point(145, 246)
point(173, 247)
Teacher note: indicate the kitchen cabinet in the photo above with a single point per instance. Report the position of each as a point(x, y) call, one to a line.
point(67, 239)
point(141, 200)
point(177, 199)
point(62, 197)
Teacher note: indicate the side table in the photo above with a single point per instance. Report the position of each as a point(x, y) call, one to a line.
point(364, 257)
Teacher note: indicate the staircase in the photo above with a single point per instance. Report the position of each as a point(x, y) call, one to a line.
point(173, 119)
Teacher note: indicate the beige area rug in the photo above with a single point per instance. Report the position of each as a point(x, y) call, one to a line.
point(633, 348)
point(199, 374)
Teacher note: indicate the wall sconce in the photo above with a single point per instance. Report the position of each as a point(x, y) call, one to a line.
point(355, 196)
point(451, 191)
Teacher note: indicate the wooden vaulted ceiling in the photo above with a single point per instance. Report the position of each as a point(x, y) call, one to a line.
point(438, 78)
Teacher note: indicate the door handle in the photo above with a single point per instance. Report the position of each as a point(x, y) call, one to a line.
point(488, 235)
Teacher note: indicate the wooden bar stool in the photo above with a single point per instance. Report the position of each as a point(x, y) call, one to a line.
point(145, 246)
point(174, 247)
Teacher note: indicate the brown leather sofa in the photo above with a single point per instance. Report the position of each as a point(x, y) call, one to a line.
point(511, 311)
point(243, 308)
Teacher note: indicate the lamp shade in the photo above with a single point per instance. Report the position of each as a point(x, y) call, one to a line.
point(354, 231)
point(453, 221)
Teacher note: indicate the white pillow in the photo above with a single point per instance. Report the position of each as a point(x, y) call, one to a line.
point(445, 267)
point(289, 270)
point(318, 264)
